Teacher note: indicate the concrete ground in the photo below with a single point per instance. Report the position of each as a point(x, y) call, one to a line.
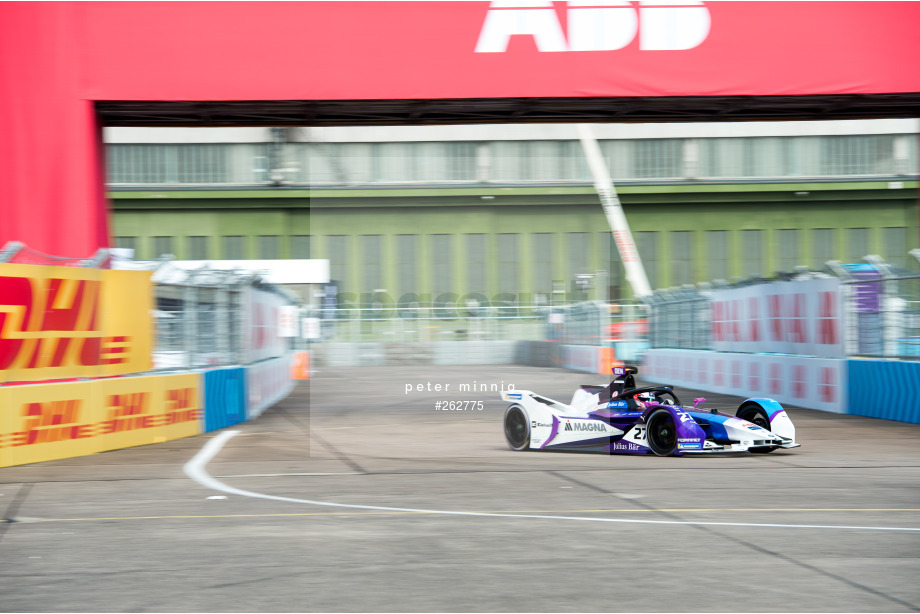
point(129, 531)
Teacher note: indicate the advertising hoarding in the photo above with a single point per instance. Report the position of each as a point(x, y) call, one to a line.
point(43, 422)
point(66, 322)
point(814, 383)
point(789, 317)
point(267, 382)
point(262, 330)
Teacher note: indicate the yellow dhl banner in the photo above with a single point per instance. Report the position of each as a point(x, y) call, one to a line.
point(62, 322)
point(40, 422)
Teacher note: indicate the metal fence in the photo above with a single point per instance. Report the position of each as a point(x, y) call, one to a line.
point(883, 314)
point(680, 318)
point(16, 252)
point(430, 323)
point(584, 323)
point(881, 311)
point(198, 326)
point(204, 317)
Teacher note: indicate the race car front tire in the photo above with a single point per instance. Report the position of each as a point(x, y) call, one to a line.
point(757, 415)
point(662, 433)
point(517, 428)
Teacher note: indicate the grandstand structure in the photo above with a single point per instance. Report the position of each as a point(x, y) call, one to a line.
point(508, 213)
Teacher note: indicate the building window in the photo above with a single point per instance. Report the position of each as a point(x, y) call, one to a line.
point(823, 246)
point(610, 260)
point(658, 158)
point(441, 264)
point(574, 166)
point(140, 163)
point(233, 248)
point(202, 163)
point(407, 263)
point(476, 263)
point(717, 254)
point(792, 155)
point(394, 162)
point(647, 244)
point(751, 249)
point(858, 155)
point(372, 278)
point(337, 252)
point(461, 161)
point(260, 170)
point(162, 246)
point(269, 247)
point(543, 257)
point(682, 259)
point(198, 248)
point(788, 253)
point(508, 161)
point(300, 247)
point(126, 243)
point(578, 262)
point(895, 246)
point(857, 244)
point(508, 262)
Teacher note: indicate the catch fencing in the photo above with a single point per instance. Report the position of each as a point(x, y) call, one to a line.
point(210, 318)
point(584, 323)
point(869, 309)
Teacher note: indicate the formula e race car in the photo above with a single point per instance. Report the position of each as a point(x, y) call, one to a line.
point(621, 418)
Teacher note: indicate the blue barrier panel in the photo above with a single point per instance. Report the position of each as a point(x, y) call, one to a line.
point(885, 389)
point(224, 398)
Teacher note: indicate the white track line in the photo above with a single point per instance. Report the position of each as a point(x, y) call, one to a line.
point(195, 469)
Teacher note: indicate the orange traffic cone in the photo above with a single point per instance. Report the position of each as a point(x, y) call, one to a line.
point(300, 368)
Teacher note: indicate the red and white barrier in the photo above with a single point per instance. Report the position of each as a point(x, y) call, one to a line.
point(814, 383)
point(267, 382)
point(790, 317)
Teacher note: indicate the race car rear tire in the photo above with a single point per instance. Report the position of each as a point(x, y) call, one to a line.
point(517, 428)
point(661, 433)
point(756, 415)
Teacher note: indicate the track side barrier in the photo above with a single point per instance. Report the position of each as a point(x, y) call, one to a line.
point(224, 398)
point(42, 422)
point(51, 421)
point(813, 383)
point(885, 389)
point(267, 382)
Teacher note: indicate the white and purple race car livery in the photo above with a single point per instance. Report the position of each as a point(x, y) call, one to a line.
point(623, 419)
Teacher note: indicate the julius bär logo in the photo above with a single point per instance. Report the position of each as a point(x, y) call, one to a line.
point(596, 25)
point(54, 323)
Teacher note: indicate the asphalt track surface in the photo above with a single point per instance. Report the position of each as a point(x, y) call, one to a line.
point(818, 528)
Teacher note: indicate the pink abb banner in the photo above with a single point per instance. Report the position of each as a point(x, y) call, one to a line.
point(791, 317)
point(813, 383)
point(399, 50)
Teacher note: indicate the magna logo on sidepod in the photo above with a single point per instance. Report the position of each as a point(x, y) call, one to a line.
point(596, 25)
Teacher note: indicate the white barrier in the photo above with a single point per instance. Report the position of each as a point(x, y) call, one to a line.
point(267, 382)
point(580, 358)
point(261, 330)
point(789, 317)
point(814, 383)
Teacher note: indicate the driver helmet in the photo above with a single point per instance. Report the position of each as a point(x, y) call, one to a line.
point(644, 397)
